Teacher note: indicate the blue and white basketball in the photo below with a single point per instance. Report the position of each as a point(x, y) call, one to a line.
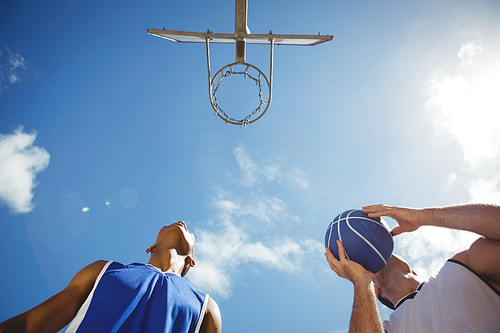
point(367, 241)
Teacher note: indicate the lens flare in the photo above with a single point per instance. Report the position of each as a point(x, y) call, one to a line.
point(85, 209)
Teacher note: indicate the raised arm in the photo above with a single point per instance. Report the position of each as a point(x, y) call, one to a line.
point(56, 312)
point(481, 219)
point(365, 316)
point(483, 256)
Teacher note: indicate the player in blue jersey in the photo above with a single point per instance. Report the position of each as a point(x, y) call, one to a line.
point(107, 296)
point(463, 297)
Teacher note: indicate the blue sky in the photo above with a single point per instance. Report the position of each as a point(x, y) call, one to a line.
point(400, 108)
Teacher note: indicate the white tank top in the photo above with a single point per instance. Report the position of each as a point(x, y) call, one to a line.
point(456, 300)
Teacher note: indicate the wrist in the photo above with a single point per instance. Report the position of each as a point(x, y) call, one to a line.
point(364, 282)
point(427, 216)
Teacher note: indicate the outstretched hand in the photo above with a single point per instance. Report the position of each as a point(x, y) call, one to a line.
point(348, 269)
point(409, 219)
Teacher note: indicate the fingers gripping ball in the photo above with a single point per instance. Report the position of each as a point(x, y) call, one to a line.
point(366, 240)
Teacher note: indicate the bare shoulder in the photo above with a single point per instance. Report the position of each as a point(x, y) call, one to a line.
point(82, 283)
point(483, 257)
point(86, 276)
point(212, 322)
point(93, 269)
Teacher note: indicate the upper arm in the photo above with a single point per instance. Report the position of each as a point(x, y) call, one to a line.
point(483, 257)
point(212, 322)
point(56, 312)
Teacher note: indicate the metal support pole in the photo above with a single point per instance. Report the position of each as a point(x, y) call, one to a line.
point(240, 51)
point(240, 29)
point(271, 70)
point(208, 70)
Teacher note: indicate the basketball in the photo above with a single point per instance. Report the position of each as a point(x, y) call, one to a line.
point(366, 240)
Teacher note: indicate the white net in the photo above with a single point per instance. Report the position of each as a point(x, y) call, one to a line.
point(246, 71)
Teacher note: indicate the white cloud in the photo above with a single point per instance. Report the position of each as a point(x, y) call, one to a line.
point(11, 64)
point(452, 178)
point(248, 168)
point(428, 248)
point(468, 52)
point(20, 161)
point(211, 278)
point(482, 190)
point(253, 175)
point(254, 206)
point(298, 178)
point(227, 245)
point(223, 251)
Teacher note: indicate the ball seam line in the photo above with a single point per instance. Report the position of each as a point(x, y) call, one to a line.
point(366, 241)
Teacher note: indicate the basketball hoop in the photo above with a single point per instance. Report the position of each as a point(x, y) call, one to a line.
point(229, 70)
point(240, 61)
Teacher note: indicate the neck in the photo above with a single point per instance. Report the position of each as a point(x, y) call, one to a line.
point(167, 261)
point(406, 284)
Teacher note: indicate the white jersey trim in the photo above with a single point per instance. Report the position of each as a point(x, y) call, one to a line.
point(85, 306)
point(202, 314)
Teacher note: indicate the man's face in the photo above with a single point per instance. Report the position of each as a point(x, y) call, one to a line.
point(177, 235)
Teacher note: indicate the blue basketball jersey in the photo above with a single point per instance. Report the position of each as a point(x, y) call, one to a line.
point(140, 298)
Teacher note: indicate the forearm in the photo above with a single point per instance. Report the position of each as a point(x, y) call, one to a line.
point(365, 316)
point(481, 219)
